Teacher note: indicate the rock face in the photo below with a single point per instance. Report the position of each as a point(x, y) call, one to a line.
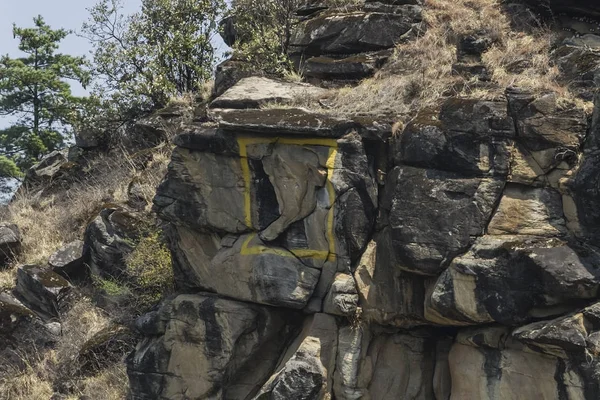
point(43, 291)
point(349, 44)
point(322, 257)
point(69, 260)
point(255, 91)
point(10, 242)
point(206, 347)
point(108, 240)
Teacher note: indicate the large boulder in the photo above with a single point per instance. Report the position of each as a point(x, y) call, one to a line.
point(467, 136)
point(12, 312)
point(43, 291)
point(306, 373)
point(585, 185)
point(529, 211)
point(355, 31)
point(10, 242)
point(550, 132)
point(435, 215)
point(228, 73)
point(47, 169)
point(352, 68)
point(207, 347)
point(69, 260)
point(513, 279)
point(255, 91)
point(576, 8)
point(490, 374)
point(387, 294)
point(109, 239)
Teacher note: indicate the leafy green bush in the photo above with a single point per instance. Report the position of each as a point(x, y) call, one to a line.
point(263, 31)
point(142, 60)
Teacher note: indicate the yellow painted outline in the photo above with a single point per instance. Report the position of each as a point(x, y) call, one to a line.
point(243, 142)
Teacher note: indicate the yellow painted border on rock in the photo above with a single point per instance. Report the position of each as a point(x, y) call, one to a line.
point(243, 142)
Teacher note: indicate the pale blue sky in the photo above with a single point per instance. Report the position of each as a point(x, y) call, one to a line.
point(68, 14)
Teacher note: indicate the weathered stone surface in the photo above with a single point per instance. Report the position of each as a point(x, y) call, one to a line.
point(228, 73)
point(42, 290)
point(69, 260)
point(403, 367)
point(347, 68)
point(466, 136)
point(48, 168)
point(585, 185)
point(10, 242)
point(252, 92)
point(388, 295)
point(306, 371)
point(529, 211)
point(109, 240)
point(12, 312)
point(203, 191)
point(434, 215)
point(284, 121)
point(261, 224)
point(374, 365)
point(510, 279)
point(353, 32)
point(342, 298)
point(269, 275)
point(579, 60)
point(490, 374)
point(206, 347)
point(552, 134)
point(572, 7)
point(228, 30)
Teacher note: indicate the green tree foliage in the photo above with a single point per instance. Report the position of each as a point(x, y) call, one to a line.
point(35, 93)
point(263, 31)
point(144, 59)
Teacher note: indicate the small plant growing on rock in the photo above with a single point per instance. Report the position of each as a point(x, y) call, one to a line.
point(151, 267)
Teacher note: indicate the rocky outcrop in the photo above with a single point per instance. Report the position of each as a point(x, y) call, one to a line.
point(322, 257)
point(109, 239)
point(43, 291)
point(47, 169)
point(348, 43)
point(580, 8)
point(255, 91)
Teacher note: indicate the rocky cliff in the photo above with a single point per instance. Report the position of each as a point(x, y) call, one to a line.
point(319, 256)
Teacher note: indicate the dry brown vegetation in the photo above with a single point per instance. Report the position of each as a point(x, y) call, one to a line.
point(42, 370)
point(420, 72)
point(47, 222)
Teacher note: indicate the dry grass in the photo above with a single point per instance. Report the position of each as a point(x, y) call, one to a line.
point(111, 384)
point(47, 224)
point(420, 72)
point(25, 385)
point(45, 370)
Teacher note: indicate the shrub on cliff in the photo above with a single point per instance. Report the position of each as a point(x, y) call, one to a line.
point(150, 265)
point(164, 50)
point(263, 30)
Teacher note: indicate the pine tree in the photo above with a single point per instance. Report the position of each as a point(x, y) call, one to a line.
point(36, 96)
